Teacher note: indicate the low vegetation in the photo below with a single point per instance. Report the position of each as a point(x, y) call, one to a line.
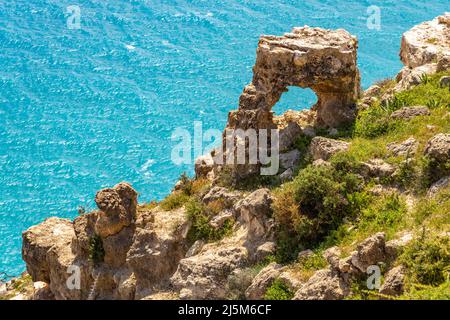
point(329, 206)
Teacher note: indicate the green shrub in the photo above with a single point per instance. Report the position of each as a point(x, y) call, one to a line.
point(312, 205)
point(200, 215)
point(421, 292)
point(373, 122)
point(174, 200)
point(383, 214)
point(96, 251)
point(427, 260)
point(278, 291)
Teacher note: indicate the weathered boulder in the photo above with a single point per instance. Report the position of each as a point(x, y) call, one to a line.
point(290, 159)
point(407, 147)
point(204, 166)
point(377, 168)
point(407, 113)
point(225, 195)
point(265, 250)
point(117, 209)
point(393, 284)
point(370, 252)
point(205, 275)
point(427, 42)
point(323, 148)
point(263, 281)
point(394, 247)
point(323, 285)
point(438, 148)
point(438, 186)
point(444, 82)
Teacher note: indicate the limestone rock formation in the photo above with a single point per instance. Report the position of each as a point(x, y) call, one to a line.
point(323, 60)
point(425, 49)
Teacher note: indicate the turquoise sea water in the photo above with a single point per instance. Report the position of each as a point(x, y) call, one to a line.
point(82, 109)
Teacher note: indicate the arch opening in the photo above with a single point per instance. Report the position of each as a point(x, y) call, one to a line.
point(295, 98)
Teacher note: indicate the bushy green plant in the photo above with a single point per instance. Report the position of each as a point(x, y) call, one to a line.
point(200, 215)
point(278, 291)
point(427, 260)
point(174, 200)
point(306, 209)
point(96, 251)
point(384, 214)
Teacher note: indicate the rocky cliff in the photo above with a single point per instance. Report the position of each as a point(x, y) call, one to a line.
point(344, 200)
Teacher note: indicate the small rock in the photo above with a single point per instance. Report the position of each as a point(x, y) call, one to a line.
point(439, 185)
point(223, 194)
point(324, 148)
point(290, 279)
point(444, 82)
point(372, 91)
point(305, 254)
point(263, 281)
point(438, 147)
point(394, 281)
point(407, 113)
point(323, 285)
point(320, 162)
point(394, 247)
point(377, 168)
point(265, 250)
point(219, 220)
point(195, 248)
point(370, 252)
point(290, 159)
point(287, 175)
point(332, 256)
point(288, 135)
point(407, 147)
point(204, 165)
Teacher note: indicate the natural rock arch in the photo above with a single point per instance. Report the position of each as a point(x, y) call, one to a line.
point(323, 60)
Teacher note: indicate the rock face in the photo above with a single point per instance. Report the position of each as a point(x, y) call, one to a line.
point(323, 60)
point(425, 49)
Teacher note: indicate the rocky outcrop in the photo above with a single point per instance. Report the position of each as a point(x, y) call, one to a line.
point(323, 60)
point(425, 49)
